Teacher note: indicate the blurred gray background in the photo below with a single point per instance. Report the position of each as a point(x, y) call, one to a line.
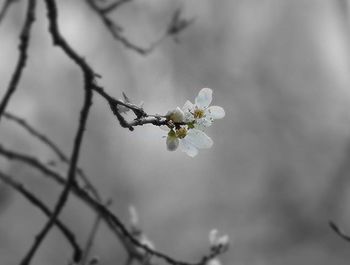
point(279, 167)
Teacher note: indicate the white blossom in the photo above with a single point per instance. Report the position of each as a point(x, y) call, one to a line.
point(176, 115)
point(214, 261)
point(218, 241)
point(190, 140)
point(201, 114)
point(186, 126)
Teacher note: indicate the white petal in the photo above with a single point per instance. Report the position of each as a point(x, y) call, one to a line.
point(203, 123)
point(199, 139)
point(172, 143)
point(188, 106)
point(213, 237)
point(188, 148)
point(223, 240)
point(134, 217)
point(164, 128)
point(176, 115)
point(215, 112)
point(204, 98)
point(214, 261)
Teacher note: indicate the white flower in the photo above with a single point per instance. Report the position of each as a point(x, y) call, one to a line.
point(190, 140)
point(214, 261)
point(134, 218)
point(201, 113)
point(176, 115)
point(218, 241)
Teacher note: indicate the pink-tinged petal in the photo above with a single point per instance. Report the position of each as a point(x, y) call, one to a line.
point(199, 139)
point(204, 98)
point(172, 143)
point(188, 148)
point(215, 112)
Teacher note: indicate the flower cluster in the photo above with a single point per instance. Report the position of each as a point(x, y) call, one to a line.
point(187, 125)
point(218, 244)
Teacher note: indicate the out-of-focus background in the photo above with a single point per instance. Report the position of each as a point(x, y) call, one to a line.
point(278, 170)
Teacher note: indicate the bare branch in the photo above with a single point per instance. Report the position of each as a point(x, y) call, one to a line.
point(111, 220)
point(5, 8)
point(89, 81)
point(175, 27)
point(339, 232)
point(114, 6)
point(54, 147)
point(91, 237)
point(38, 203)
point(23, 47)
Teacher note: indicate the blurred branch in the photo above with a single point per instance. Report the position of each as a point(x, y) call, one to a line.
point(131, 244)
point(5, 8)
point(176, 25)
point(114, 6)
point(88, 84)
point(54, 147)
point(38, 203)
point(23, 47)
point(339, 232)
point(111, 220)
point(91, 237)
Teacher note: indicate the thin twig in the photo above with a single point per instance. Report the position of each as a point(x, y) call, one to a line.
point(91, 237)
point(339, 232)
point(173, 29)
point(111, 220)
point(54, 147)
point(114, 6)
point(88, 80)
point(5, 8)
point(22, 59)
point(38, 203)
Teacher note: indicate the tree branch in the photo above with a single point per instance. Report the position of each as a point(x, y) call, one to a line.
point(174, 28)
point(111, 220)
point(89, 81)
point(337, 230)
point(38, 203)
point(23, 47)
point(5, 8)
point(54, 147)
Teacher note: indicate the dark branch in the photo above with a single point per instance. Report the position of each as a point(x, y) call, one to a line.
point(174, 28)
point(111, 220)
point(47, 141)
point(5, 8)
point(114, 6)
point(339, 232)
point(89, 82)
point(91, 237)
point(38, 203)
point(23, 47)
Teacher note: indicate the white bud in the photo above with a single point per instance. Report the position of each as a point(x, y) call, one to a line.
point(134, 217)
point(213, 235)
point(216, 241)
point(214, 261)
point(223, 240)
point(176, 115)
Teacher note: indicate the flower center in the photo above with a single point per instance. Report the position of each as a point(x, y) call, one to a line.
point(181, 132)
point(198, 113)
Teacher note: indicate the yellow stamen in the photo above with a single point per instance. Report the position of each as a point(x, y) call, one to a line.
point(181, 132)
point(198, 113)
